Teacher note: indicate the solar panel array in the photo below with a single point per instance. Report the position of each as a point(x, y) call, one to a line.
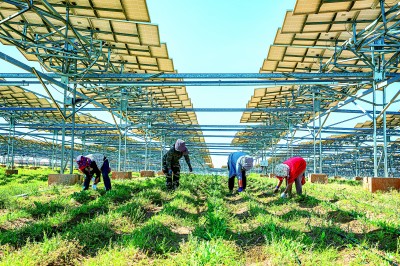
point(307, 42)
point(113, 36)
point(392, 121)
point(13, 96)
point(311, 31)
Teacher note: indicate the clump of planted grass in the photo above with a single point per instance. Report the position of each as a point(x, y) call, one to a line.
point(84, 196)
point(216, 221)
point(134, 211)
point(284, 250)
point(119, 255)
point(32, 232)
point(93, 235)
point(120, 194)
point(5, 200)
point(153, 238)
point(41, 209)
point(214, 252)
point(52, 251)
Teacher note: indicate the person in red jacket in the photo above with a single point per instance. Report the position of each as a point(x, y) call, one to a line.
point(293, 171)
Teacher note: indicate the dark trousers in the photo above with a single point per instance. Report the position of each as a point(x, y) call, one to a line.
point(106, 178)
point(104, 172)
point(172, 180)
point(86, 182)
point(299, 185)
point(231, 181)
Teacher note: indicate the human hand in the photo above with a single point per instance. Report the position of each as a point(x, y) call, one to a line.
point(276, 189)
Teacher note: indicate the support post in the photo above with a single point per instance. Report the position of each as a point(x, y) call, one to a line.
point(385, 157)
point(10, 154)
point(71, 167)
point(374, 114)
point(320, 137)
point(125, 145)
point(314, 148)
point(161, 150)
point(65, 81)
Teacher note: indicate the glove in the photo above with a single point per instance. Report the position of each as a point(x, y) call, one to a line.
point(94, 187)
point(276, 189)
point(283, 195)
point(169, 171)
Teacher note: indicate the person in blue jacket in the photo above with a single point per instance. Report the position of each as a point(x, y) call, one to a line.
point(238, 164)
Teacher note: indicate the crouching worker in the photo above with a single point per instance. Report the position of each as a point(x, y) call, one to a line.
point(238, 164)
point(171, 166)
point(293, 171)
point(91, 165)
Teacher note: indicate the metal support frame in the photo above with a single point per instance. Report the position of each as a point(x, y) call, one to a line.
point(368, 45)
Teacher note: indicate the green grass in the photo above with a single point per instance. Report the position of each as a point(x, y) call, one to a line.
point(139, 222)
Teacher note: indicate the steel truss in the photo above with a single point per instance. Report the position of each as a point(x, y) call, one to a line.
point(78, 61)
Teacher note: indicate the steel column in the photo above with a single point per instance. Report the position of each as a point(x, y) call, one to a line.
point(385, 159)
point(314, 153)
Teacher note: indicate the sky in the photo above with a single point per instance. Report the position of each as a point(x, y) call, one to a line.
point(210, 36)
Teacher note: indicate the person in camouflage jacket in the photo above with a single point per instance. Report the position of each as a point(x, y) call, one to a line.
point(171, 166)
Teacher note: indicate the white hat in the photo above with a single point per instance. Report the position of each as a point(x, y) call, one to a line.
point(282, 170)
point(246, 162)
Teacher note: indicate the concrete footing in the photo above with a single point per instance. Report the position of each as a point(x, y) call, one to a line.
point(160, 173)
point(145, 173)
point(271, 175)
point(319, 178)
point(121, 175)
point(64, 179)
point(374, 184)
point(11, 172)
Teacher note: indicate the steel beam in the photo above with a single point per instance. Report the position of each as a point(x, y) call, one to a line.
point(223, 110)
point(273, 83)
point(294, 75)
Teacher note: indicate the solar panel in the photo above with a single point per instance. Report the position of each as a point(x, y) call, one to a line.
point(306, 43)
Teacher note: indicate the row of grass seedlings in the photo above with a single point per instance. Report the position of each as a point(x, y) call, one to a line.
point(101, 223)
